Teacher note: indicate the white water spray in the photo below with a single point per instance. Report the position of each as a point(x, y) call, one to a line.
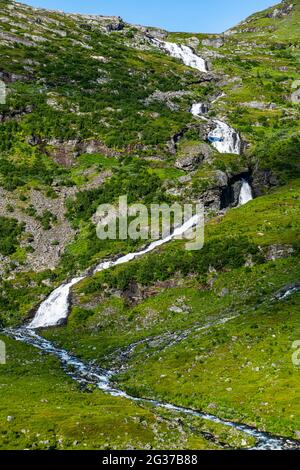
point(198, 109)
point(224, 138)
point(184, 53)
point(55, 308)
point(245, 194)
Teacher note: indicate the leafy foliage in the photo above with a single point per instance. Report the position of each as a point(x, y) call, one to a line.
point(10, 230)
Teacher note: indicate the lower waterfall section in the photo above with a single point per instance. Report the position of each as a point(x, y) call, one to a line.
point(246, 194)
point(55, 309)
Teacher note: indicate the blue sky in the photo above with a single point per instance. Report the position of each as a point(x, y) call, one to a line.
point(211, 16)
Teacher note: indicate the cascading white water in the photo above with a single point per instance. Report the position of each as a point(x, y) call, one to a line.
point(131, 256)
point(224, 138)
point(245, 194)
point(198, 109)
point(183, 53)
point(55, 308)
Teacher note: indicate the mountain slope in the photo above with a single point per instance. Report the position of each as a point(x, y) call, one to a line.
point(95, 109)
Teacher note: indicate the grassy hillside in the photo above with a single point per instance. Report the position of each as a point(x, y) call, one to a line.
point(95, 111)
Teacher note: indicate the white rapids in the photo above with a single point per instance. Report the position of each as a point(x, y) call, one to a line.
point(184, 53)
point(245, 194)
point(55, 309)
point(131, 256)
point(198, 109)
point(224, 138)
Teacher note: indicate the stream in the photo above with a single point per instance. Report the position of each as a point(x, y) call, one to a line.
point(54, 310)
point(87, 374)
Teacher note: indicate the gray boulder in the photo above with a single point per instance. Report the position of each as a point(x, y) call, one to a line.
point(193, 156)
point(215, 42)
point(295, 97)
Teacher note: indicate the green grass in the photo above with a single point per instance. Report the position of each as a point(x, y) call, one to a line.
point(41, 408)
point(244, 367)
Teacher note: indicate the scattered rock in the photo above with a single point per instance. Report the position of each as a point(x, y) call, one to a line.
point(279, 251)
point(224, 292)
point(295, 97)
point(185, 179)
point(212, 406)
point(167, 98)
point(193, 156)
point(280, 12)
point(258, 105)
point(175, 309)
point(215, 42)
point(17, 39)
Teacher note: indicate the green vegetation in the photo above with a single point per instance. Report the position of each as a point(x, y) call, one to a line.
point(10, 230)
point(102, 321)
point(92, 115)
point(132, 179)
point(42, 409)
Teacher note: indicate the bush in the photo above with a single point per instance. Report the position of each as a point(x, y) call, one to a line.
point(10, 230)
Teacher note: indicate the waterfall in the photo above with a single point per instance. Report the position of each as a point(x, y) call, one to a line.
point(245, 194)
point(198, 109)
point(224, 138)
point(55, 308)
point(183, 53)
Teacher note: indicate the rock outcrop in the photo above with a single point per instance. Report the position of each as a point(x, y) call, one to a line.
point(193, 157)
point(214, 42)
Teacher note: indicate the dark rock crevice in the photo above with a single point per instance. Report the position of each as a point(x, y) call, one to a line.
point(230, 194)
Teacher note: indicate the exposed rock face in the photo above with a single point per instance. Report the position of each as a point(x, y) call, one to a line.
point(262, 180)
point(211, 199)
point(225, 191)
point(167, 98)
point(279, 251)
point(8, 77)
point(189, 163)
point(259, 105)
point(117, 25)
point(284, 10)
point(171, 146)
point(65, 152)
point(295, 97)
point(230, 192)
point(215, 42)
point(195, 154)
